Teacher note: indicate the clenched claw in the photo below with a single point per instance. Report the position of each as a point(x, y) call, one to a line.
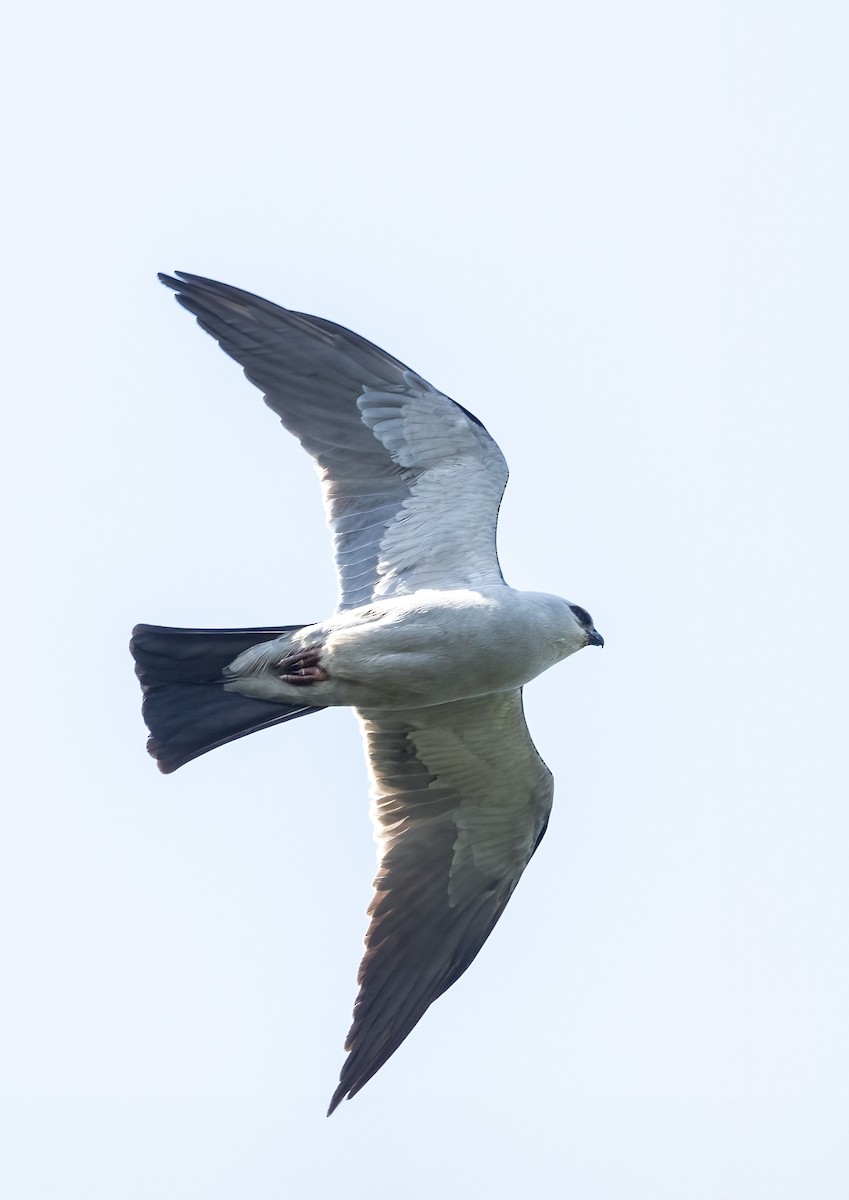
point(302, 669)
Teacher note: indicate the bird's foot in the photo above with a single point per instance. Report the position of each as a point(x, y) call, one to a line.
point(302, 668)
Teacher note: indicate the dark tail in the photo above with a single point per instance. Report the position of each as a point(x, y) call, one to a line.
point(185, 705)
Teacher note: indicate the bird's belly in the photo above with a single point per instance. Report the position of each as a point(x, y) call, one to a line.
point(430, 649)
point(436, 657)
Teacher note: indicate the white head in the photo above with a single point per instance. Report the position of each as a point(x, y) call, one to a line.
point(572, 627)
point(590, 635)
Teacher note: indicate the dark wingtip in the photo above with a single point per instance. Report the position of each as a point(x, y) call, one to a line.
point(338, 1096)
point(180, 278)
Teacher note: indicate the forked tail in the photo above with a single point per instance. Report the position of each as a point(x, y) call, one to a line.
point(186, 707)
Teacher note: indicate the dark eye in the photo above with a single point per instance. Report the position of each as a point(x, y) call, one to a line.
point(582, 615)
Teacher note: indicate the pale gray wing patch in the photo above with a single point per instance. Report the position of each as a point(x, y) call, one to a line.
point(444, 532)
point(460, 802)
point(379, 493)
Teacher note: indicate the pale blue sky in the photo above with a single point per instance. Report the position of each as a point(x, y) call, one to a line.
point(617, 233)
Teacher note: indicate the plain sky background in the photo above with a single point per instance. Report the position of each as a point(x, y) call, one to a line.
point(617, 233)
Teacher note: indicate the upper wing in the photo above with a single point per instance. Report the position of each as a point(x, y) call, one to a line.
point(460, 801)
point(411, 481)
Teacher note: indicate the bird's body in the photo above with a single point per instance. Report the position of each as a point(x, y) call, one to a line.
point(427, 644)
point(431, 647)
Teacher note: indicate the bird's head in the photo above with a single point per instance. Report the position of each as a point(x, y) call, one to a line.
point(590, 635)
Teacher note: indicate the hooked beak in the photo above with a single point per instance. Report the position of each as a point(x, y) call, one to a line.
point(594, 638)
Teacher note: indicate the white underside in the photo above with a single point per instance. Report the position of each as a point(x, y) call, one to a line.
point(429, 648)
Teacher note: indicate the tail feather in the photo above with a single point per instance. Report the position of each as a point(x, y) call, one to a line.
point(186, 707)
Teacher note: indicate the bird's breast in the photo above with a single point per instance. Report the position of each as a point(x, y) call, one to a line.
point(437, 648)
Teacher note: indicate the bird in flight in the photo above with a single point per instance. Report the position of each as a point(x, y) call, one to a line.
point(427, 644)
